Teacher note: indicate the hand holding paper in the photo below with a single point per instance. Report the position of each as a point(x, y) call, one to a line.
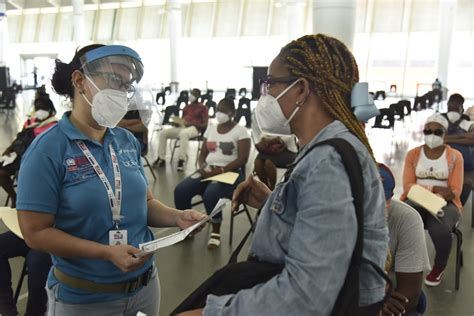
point(172, 239)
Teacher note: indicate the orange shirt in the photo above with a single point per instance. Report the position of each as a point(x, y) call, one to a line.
point(455, 177)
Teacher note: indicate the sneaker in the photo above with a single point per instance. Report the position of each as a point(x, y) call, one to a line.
point(159, 163)
point(435, 276)
point(181, 165)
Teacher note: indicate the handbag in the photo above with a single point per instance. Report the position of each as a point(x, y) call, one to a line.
point(237, 276)
point(272, 146)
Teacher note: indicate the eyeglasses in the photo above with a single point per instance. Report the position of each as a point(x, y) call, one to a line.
point(115, 82)
point(437, 132)
point(265, 83)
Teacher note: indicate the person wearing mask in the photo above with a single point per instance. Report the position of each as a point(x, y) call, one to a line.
point(42, 119)
point(308, 222)
point(439, 168)
point(225, 147)
point(460, 134)
point(193, 123)
point(407, 246)
point(11, 246)
point(83, 196)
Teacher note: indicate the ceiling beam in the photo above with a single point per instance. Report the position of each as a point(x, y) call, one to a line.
point(55, 3)
point(19, 4)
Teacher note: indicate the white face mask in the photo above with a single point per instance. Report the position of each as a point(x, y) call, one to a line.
point(41, 114)
point(192, 98)
point(270, 117)
point(222, 117)
point(433, 141)
point(453, 116)
point(109, 106)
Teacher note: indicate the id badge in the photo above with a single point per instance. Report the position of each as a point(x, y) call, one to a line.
point(117, 237)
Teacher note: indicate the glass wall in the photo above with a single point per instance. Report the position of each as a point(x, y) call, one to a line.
point(396, 41)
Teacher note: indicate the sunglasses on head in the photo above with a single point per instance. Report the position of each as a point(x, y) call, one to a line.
point(437, 132)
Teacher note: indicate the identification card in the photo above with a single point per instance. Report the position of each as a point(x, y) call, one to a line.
point(118, 237)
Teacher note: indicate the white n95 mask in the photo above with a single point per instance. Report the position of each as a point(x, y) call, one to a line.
point(109, 106)
point(41, 115)
point(433, 141)
point(453, 117)
point(222, 117)
point(270, 117)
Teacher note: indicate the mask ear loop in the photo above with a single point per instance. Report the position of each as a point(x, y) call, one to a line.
point(288, 88)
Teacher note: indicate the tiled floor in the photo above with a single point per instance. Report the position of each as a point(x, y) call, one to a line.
point(182, 267)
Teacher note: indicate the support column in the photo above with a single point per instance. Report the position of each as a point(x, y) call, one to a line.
point(174, 29)
point(79, 25)
point(447, 11)
point(3, 33)
point(335, 18)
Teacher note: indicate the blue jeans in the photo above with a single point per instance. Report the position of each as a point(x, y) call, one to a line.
point(38, 264)
point(210, 191)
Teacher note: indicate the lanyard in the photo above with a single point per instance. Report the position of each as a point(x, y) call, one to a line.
point(115, 200)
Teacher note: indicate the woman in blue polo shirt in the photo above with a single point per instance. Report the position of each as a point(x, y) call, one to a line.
point(83, 196)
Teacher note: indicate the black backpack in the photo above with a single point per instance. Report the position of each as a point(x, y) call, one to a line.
point(236, 276)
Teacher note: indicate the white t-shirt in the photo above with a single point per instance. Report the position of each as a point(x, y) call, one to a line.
point(432, 172)
point(223, 148)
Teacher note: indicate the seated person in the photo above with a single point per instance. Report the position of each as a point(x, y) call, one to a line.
point(38, 264)
point(42, 119)
point(470, 112)
point(132, 122)
point(226, 147)
point(273, 153)
point(193, 123)
point(460, 130)
point(438, 168)
point(408, 250)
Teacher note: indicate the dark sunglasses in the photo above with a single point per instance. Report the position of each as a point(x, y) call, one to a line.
point(437, 132)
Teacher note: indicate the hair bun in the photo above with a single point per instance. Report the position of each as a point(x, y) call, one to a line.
point(61, 80)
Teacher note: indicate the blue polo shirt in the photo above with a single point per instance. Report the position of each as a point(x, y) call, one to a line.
point(56, 178)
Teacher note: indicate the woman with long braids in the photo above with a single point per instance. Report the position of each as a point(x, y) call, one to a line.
point(308, 222)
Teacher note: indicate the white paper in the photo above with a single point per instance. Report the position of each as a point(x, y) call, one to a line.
point(172, 239)
point(9, 159)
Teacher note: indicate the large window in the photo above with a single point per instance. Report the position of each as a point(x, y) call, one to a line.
point(46, 25)
point(396, 41)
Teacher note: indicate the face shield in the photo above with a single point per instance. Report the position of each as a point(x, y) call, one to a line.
point(113, 67)
point(114, 73)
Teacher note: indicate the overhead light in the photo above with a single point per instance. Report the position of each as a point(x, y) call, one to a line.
point(49, 10)
point(31, 11)
point(14, 12)
point(278, 4)
point(111, 5)
point(66, 9)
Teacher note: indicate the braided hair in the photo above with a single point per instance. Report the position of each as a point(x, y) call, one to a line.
point(332, 71)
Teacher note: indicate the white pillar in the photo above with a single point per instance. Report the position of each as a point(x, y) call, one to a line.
point(296, 19)
point(447, 11)
point(3, 33)
point(335, 18)
point(79, 25)
point(174, 28)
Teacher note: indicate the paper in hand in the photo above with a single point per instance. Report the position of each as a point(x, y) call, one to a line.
point(172, 239)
